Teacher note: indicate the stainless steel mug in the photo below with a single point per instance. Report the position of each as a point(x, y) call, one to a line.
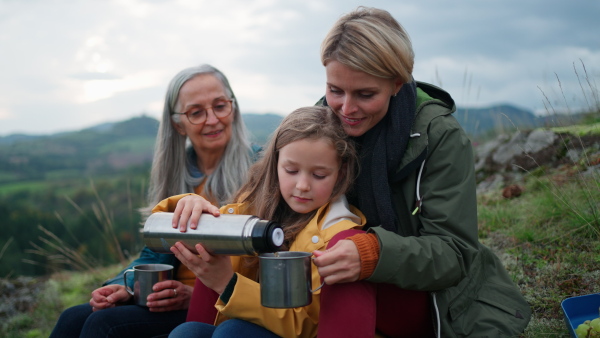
point(285, 279)
point(144, 278)
point(225, 235)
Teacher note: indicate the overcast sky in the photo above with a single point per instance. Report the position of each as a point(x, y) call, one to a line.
point(66, 65)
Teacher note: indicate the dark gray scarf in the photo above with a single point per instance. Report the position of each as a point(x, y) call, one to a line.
point(380, 151)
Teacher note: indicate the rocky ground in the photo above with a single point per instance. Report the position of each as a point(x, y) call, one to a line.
point(503, 162)
point(19, 295)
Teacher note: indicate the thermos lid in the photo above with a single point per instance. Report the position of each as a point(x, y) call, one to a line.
point(267, 236)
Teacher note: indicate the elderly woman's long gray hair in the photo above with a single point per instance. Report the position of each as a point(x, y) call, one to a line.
point(170, 174)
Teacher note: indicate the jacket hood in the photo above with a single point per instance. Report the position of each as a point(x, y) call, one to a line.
point(430, 94)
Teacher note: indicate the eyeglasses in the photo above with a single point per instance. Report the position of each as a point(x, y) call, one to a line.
point(198, 116)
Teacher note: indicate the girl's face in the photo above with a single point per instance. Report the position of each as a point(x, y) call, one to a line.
point(359, 99)
point(308, 170)
point(198, 93)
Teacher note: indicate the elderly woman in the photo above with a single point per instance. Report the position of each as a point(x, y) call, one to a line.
point(419, 270)
point(200, 107)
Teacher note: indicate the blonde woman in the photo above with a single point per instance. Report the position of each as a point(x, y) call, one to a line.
point(419, 270)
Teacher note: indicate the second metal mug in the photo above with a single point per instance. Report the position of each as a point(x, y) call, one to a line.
point(144, 278)
point(286, 279)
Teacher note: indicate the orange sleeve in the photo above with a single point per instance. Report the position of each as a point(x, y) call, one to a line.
point(368, 250)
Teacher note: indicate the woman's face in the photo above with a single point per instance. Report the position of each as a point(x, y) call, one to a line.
point(201, 92)
point(359, 99)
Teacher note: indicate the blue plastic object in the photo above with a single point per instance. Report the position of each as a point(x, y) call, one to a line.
point(579, 309)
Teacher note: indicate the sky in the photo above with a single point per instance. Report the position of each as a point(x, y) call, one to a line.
point(67, 65)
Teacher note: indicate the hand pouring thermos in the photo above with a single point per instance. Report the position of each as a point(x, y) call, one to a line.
point(224, 235)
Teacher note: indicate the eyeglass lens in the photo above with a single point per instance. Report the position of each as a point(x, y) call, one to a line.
point(221, 109)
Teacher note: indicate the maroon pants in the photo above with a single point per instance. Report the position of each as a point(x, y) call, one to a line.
point(202, 305)
point(360, 308)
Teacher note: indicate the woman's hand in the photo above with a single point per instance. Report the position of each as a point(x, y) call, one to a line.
point(214, 271)
point(190, 208)
point(169, 295)
point(338, 264)
point(108, 296)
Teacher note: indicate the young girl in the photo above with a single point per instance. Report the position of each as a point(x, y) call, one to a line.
point(300, 183)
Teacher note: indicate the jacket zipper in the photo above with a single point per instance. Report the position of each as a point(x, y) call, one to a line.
point(437, 316)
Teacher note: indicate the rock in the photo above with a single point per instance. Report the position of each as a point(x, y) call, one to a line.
point(18, 295)
point(490, 183)
point(574, 155)
point(539, 139)
point(483, 151)
point(512, 191)
point(505, 152)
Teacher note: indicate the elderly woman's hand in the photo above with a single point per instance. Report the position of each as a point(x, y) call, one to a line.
point(169, 295)
point(189, 208)
point(338, 264)
point(108, 296)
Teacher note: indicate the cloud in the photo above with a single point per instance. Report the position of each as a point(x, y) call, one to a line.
point(66, 65)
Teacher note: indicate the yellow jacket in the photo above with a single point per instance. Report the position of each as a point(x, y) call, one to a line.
point(244, 303)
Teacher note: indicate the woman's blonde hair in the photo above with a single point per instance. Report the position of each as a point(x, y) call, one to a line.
point(262, 193)
point(372, 41)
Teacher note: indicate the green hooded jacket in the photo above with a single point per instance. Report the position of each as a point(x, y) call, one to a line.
point(436, 248)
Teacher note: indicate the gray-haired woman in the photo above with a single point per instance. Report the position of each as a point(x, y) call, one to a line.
point(202, 147)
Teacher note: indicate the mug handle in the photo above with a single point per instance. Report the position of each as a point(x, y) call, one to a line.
point(127, 288)
point(319, 288)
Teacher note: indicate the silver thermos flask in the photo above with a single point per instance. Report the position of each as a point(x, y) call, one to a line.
point(222, 235)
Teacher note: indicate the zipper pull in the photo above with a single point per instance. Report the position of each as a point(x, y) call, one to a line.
point(417, 207)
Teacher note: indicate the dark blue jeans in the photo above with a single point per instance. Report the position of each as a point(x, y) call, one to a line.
point(121, 321)
point(231, 328)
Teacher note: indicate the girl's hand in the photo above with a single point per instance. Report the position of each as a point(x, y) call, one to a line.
point(338, 264)
point(190, 208)
point(169, 295)
point(214, 271)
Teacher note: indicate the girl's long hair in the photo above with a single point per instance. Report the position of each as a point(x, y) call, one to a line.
point(262, 193)
point(171, 174)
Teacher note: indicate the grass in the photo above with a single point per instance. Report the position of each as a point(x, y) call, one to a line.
point(21, 186)
point(580, 130)
point(60, 291)
point(549, 249)
point(56, 251)
point(549, 236)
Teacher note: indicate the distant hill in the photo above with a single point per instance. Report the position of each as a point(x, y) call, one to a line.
point(261, 126)
point(477, 121)
point(506, 118)
point(110, 148)
point(105, 149)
